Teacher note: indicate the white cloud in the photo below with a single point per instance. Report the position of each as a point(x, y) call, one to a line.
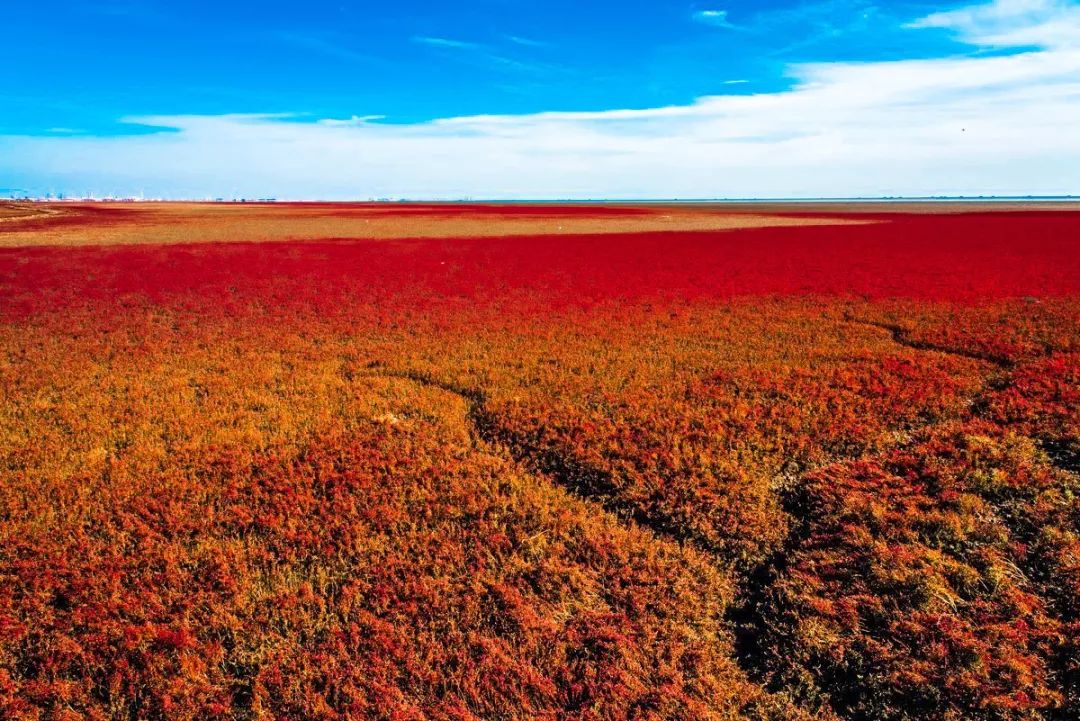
point(1004, 124)
point(353, 121)
point(717, 18)
point(1012, 23)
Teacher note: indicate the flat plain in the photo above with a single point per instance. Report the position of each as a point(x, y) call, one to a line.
point(513, 461)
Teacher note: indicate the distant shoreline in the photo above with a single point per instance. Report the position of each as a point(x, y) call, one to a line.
point(794, 206)
point(571, 201)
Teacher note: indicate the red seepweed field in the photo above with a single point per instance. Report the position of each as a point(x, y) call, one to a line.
point(539, 462)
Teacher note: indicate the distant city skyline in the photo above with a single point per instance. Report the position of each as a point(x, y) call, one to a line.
point(503, 100)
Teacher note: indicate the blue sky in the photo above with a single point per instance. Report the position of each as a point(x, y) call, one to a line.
point(508, 98)
point(417, 60)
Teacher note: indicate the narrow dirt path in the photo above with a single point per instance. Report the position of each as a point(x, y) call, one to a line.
point(598, 487)
point(901, 336)
point(1061, 455)
point(591, 484)
point(746, 615)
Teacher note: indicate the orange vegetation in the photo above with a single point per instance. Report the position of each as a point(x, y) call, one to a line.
point(777, 473)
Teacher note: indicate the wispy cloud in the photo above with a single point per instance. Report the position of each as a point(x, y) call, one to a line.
point(527, 42)
point(810, 21)
point(481, 54)
point(329, 47)
point(816, 24)
point(445, 43)
point(716, 18)
point(1012, 23)
point(982, 124)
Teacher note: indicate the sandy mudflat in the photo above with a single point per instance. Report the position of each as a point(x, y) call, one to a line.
point(10, 212)
point(24, 224)
point(170, 223)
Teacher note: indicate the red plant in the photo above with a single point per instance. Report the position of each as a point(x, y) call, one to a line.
point(775, 473)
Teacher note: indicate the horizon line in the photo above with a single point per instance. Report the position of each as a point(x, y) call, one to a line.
point(392, 200)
